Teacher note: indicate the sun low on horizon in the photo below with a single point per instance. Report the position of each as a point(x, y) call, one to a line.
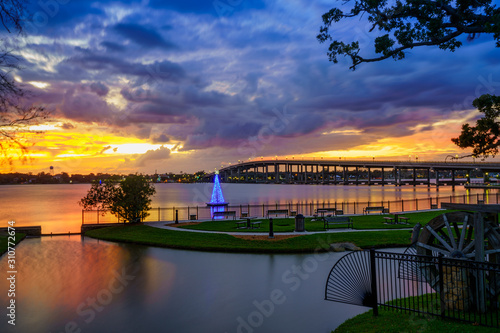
point(152, 86)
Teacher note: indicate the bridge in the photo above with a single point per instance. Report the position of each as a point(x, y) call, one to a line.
point(357, 172)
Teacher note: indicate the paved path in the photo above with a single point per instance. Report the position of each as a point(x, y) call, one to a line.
point(166, 225)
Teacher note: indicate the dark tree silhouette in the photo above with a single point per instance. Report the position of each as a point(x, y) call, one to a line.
point(15, 117)
point(484, 137)
point(408, 24)
point(129, 199)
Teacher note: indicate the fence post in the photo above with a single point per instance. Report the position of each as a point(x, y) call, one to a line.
point(402, 205)
point(159, 212)
point(97, 215)
point(83, 216)
point(441, 284)
point(416, 204)
point(374, 282)
point(263, 210)
point(176, 216)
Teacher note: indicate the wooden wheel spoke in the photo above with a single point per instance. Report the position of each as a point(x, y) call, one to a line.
point(468, 248)
point(433, 248)
point(439, 238)
point(451, 237)
point(462, 234)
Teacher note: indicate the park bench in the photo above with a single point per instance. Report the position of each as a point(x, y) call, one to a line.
point(277, 212)
point(224, 214)
point(241, 224)
point(403, 219)
point(255, 225)
point(337, 220)
point(380, 209)
point(323, 211)
point(396, 219)
point(389, 220)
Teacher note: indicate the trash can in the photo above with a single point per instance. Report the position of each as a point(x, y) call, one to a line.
point(299, 223)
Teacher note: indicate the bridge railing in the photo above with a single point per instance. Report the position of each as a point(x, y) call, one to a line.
point(304, 208)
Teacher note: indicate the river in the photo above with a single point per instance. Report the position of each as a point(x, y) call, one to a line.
point(74, 284)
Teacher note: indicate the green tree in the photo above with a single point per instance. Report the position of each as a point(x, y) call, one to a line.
point(129, 200)
point(404, 25)
point(482, 138)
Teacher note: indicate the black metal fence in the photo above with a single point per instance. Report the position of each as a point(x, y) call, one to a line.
point(443, 287)
point(304, 208)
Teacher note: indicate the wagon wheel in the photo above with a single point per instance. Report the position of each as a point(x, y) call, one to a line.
point(443, 236)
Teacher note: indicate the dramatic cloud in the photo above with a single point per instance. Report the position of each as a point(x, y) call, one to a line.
point(142, 36)
point(159, 154)
point(238, 77)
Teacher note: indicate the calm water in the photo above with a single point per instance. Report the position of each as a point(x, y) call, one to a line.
point(107, 287)
point(55, 207)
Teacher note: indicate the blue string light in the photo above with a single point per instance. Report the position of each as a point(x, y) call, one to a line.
point(217, 196)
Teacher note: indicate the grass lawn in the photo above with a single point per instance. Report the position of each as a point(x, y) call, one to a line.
point(146, 235)
point(4, 241)
point(395, 322)
point(365, 222)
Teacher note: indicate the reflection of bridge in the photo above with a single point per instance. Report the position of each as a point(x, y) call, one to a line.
point(357, 172)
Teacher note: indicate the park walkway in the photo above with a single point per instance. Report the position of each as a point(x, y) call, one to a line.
point(167, 226)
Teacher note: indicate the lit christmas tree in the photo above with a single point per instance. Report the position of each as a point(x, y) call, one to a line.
point(217, 196)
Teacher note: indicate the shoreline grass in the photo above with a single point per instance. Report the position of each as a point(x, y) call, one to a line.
point(146, 235)
point(389, 321)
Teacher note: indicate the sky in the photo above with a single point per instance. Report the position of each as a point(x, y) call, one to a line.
point(164, 86)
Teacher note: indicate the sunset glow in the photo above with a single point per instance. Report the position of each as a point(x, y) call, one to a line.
point(159, 86)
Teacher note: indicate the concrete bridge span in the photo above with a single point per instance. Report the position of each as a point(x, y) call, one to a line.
point(358, 172)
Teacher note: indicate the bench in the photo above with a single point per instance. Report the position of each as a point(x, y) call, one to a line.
point(277, 212)
point(224, 214)
point(255, 225)
point(241, 224)
point(323, 211)
point(337, 220)
point(389, 220)
point(434, 206)
point(404, 218)
point(244, 214)
point(192, 216)
point(380, 209)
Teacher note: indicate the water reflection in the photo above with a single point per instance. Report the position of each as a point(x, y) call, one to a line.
point(105, 287)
